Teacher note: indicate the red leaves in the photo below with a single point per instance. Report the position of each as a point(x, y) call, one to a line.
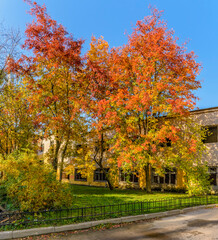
point(127, 90)
point(156, 78)
point(50, 40)
point(50, 74)
point(193, 146)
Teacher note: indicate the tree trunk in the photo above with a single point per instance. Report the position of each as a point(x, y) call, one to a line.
point(109, 184)
point(61, 170)
point(55, 158)
point(99, 160)
point(148, 178)
point(62, 161)
point(108, 180)
point(106, 175)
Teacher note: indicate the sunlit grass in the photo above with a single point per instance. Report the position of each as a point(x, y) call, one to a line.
point(92, 196)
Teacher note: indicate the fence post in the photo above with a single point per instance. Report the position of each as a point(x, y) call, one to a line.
point(82, 213)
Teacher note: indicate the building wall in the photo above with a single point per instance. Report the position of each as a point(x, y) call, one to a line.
point(179, 184)
point(209, 118)
point(90, 180)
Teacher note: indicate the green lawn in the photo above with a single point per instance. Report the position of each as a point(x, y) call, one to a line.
point(92, 196)
point(105, 204)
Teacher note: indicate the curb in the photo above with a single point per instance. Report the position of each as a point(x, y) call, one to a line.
point(46, 230)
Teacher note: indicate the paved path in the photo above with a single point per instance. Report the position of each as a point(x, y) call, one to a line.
point(197, 225)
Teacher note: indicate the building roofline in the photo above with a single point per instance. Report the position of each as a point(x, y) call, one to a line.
point(211, 109)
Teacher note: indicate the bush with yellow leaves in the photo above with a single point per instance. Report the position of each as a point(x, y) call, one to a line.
point(31, 184)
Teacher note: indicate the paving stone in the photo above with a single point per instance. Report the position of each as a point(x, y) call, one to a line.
point(6, 235)
point(72, 227)
point(105, 221)
point(133, 218)
point(32, 232)
point(155, 215)
point(174, 212)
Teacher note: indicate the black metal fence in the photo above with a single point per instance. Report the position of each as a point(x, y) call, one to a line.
point(18, 219)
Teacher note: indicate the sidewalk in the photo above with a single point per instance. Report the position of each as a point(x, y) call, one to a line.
point(201, 224)
point(197, 225)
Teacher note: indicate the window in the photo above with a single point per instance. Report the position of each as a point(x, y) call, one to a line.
point(128, 177)
point(99, 175)
point(211, 135)
point(78, 176)
point(213, 175)
point(168, 178)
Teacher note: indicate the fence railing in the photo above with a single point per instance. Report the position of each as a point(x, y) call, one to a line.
point(18, 219)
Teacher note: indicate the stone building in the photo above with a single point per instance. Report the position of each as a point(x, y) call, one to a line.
point(208, 118)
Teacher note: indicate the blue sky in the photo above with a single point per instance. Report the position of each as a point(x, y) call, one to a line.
point(195, 21)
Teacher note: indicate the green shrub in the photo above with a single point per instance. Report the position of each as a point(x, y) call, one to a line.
point(197, 180)
point(31, 184)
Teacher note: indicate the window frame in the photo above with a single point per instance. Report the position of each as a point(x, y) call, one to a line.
point(167, 175)
point(212, 138)
point(101, 174)
point(79, 174)
point(213, 172)
point(131, 175)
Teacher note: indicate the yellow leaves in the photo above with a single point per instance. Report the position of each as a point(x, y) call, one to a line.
point(32, 184)
point(84, 163)
point(98, 50)
point(80, 151)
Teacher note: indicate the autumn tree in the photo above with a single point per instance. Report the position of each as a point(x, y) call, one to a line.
point(16, 123)
point(98, 86)
point(16, 129)
point(50, 75)
point(156, 78)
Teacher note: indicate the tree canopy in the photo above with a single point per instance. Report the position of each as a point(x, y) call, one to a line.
point(129, 106)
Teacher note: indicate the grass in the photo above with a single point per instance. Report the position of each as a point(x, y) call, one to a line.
point(85, 196)
point(105, 204)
